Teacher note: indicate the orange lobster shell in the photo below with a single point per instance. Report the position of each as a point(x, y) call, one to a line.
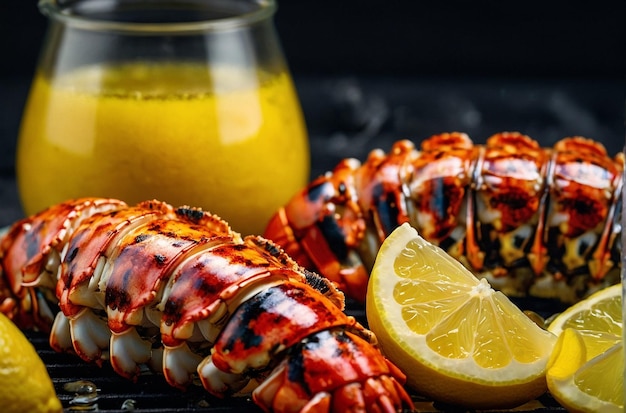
point(175, 289)
point(535, 221)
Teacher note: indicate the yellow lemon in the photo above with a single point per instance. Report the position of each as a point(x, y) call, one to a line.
point(586, 369)
point(458, 340)
point(25, 385)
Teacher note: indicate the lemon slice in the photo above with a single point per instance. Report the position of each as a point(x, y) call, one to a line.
point(586, 369)
point(458, 340)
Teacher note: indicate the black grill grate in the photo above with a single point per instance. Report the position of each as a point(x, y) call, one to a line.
point(151, 394)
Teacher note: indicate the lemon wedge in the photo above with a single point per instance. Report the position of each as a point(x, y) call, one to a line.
point(601, 312)
point(458, 340)
point(586, 369)
point(25, 385)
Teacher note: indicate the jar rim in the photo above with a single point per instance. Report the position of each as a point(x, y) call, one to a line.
point(56, 10)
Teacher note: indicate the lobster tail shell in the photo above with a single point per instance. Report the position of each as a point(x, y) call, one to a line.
point(533, 221)
point(273, 321)
point(310, 380)
point(30, 254)
point(177, 290)
point(91, 244)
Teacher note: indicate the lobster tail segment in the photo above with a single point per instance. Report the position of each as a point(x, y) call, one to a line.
point(330, 363)
point(30, 254)
point(336, 225)
point(334, 371)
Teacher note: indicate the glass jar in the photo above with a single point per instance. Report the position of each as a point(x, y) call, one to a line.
point(185, 101)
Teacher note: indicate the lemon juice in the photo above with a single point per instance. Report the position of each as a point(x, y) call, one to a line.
point(228, 139)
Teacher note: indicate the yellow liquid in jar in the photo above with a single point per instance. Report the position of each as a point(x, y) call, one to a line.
point(229, 140)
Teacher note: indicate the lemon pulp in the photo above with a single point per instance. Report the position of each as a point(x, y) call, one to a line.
point(458, 340)
point(586, 369)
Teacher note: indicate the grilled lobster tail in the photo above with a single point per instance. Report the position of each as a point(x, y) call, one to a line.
point(535, 221)
point(176, 289)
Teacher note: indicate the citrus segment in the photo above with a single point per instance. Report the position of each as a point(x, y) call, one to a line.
point(602, 312)
point(25, 385)
point(586, 381)
point(458, 340)
point(567, 358)
point(586, 369)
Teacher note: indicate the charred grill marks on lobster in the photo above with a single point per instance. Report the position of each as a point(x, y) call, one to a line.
point(179, 291)
point(534, 221)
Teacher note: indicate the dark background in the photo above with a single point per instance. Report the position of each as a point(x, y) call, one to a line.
point(535, 38)
point(486, 38)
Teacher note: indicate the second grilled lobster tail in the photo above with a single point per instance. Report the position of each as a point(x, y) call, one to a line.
point(535, 221)
point(176, 289)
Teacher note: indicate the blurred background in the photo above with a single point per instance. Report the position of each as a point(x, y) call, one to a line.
point(370, 72)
